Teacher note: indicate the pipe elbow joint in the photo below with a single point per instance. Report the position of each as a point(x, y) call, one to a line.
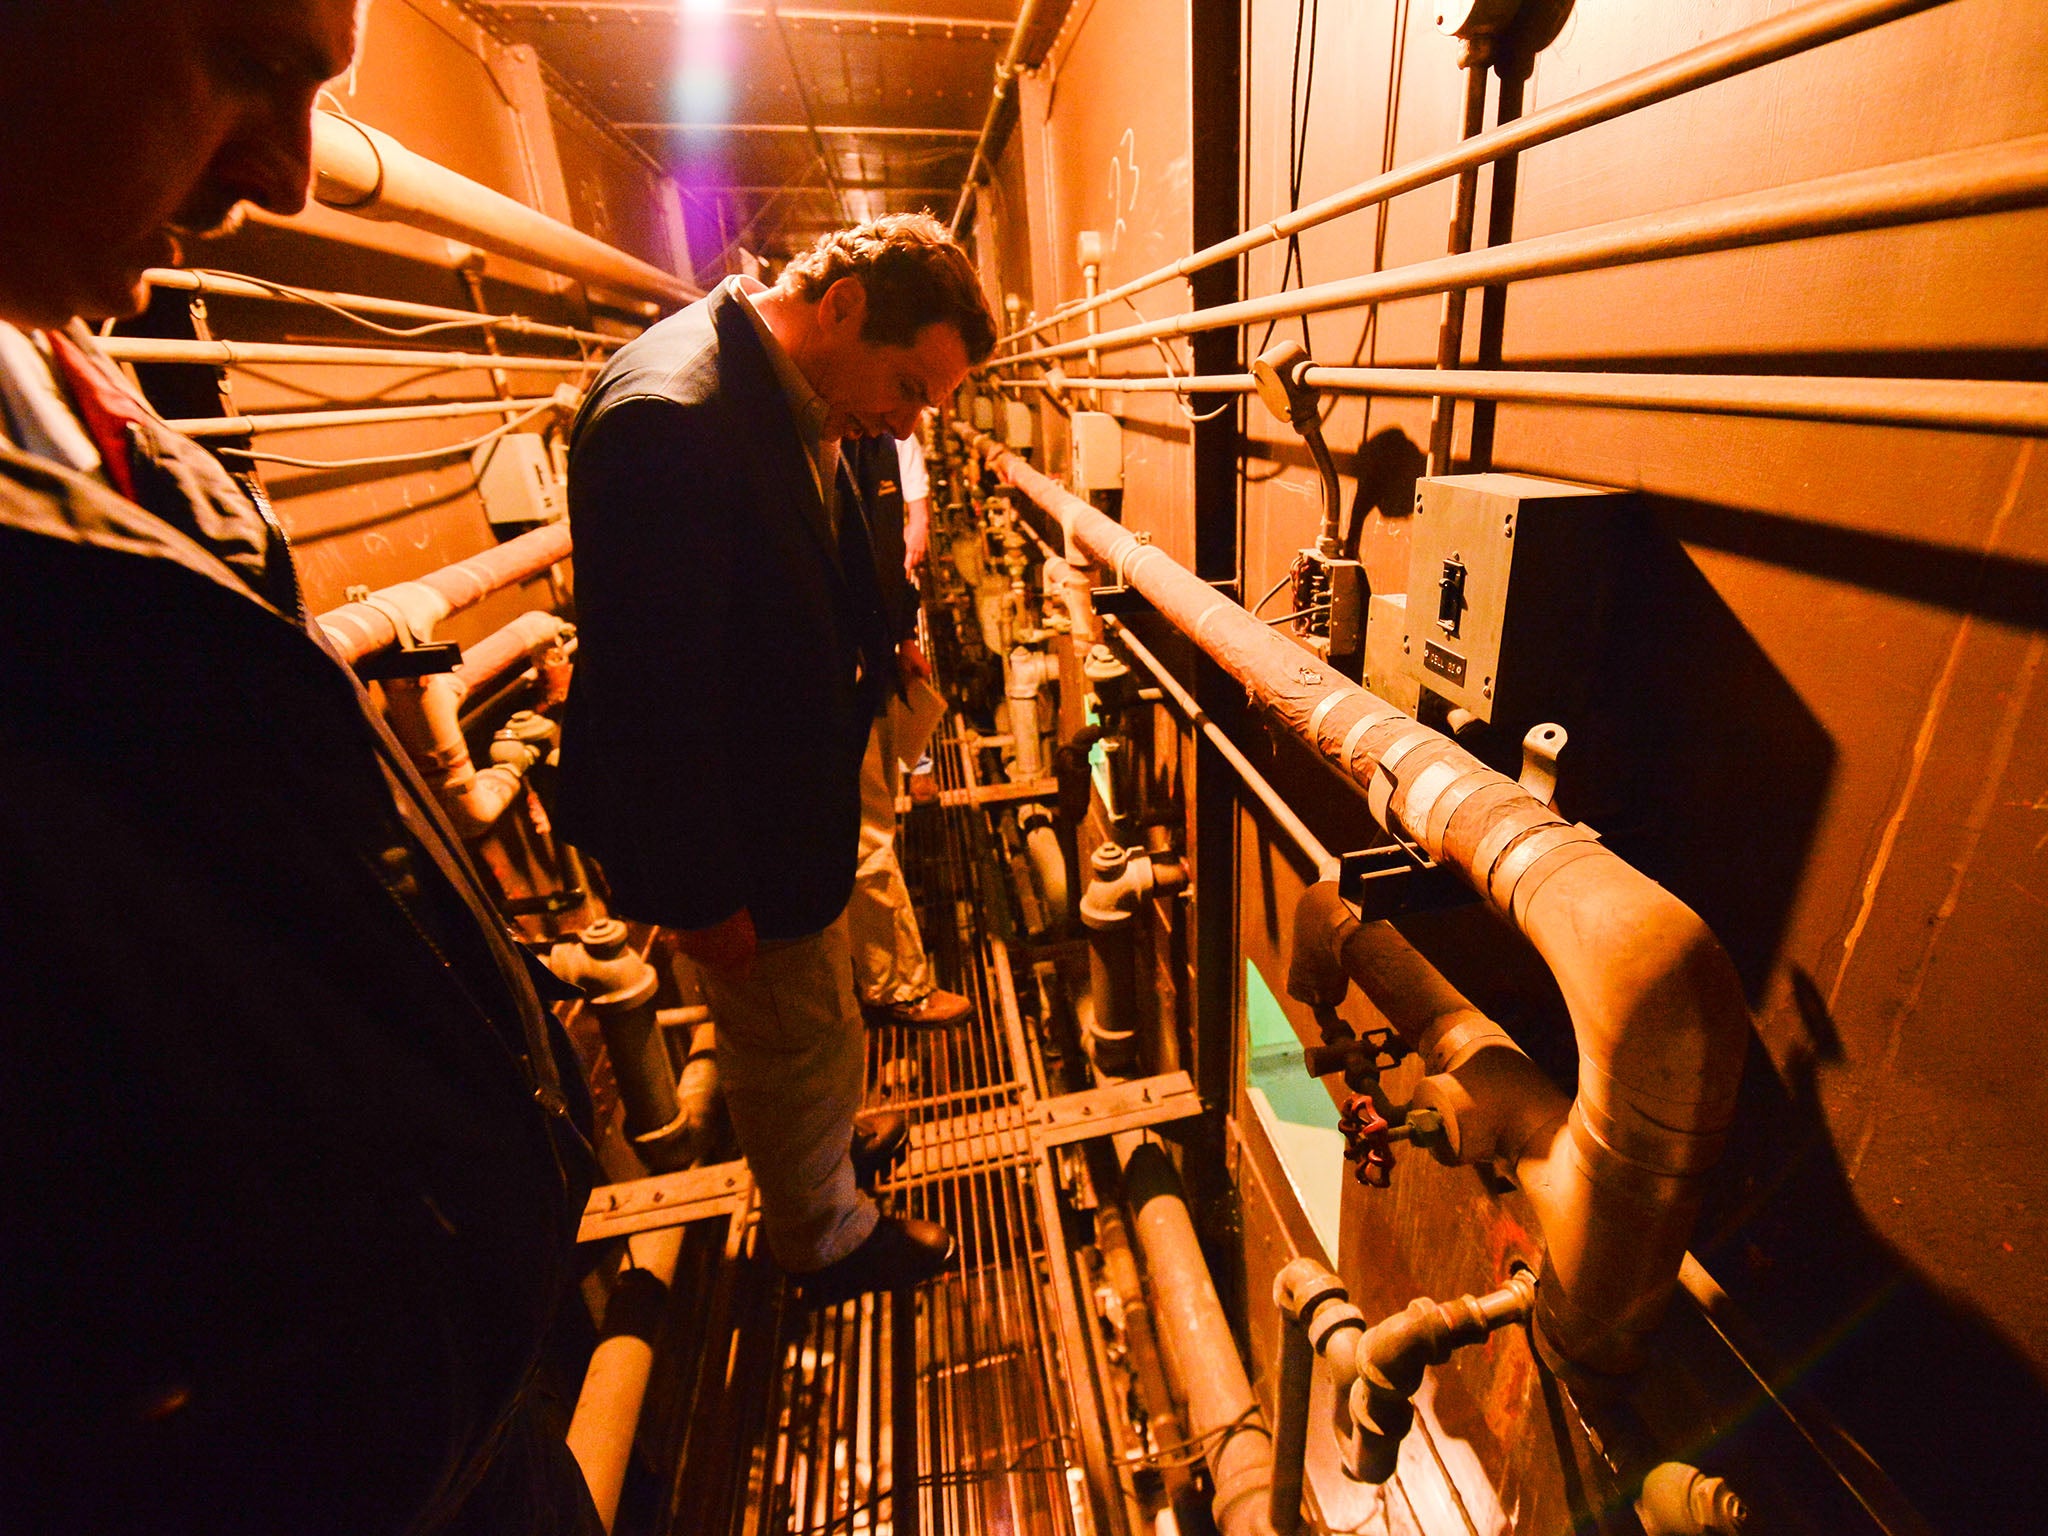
point(1315, 964)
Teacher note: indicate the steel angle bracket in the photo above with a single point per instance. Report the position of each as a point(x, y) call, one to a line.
point(666, 1200)
point(1117, 1107)
point(1395, 878)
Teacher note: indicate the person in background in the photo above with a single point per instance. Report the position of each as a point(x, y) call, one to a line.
point(292, 1183)
point(892, 973)
point(732, 654)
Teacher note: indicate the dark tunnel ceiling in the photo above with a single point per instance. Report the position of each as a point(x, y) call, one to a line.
point(916, 73)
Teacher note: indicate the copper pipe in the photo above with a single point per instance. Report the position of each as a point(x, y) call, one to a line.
point(1312, 847)
point(1779, 37)
point(1655, 1003)
point(364, 171)
point(1963, 405)
point(1962, 183)
point(357, 629)
point(307, 421)
point(229, 354)
point(227, 285)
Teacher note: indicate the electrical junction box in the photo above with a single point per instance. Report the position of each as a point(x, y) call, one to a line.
point(982, 412)
point(516, 479)
point(1018, 421)
point(1098, 456)
point(1386, 670)
point(1508, 582)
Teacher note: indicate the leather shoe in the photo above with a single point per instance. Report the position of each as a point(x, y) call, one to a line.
point(880, 1138)
point(901, 1252)
point(937, 1009)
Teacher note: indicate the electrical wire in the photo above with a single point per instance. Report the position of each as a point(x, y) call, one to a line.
point(1166, 358)
point(1272, 591)
point(354, 317)
point(378, 461)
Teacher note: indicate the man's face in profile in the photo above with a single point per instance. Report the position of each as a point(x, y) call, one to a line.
point(131, 123)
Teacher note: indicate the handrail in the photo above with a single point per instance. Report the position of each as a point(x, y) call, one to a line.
point(151, 349)
point(1779, 37)
point(1964, 405)
point(307, 421)
point(1961, 183)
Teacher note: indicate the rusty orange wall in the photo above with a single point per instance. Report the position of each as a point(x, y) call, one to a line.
point(444, 87)
point(1822, 717)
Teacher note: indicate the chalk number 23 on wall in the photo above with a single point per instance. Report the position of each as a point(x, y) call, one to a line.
point(1123, 184)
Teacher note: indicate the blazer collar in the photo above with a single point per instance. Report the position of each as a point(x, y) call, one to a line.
point(779, 462)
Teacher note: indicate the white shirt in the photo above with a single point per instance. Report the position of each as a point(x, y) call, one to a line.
point(917, 485)
point(35, 410)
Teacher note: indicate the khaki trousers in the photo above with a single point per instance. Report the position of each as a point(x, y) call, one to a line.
point(889, 962)
point(791, 1062)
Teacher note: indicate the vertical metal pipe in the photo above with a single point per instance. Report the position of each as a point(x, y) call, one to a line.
point(1223, 1415)
point(1290, 1438)
point(1450, 336)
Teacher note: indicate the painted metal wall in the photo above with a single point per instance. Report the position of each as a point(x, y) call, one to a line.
point(1819, 714)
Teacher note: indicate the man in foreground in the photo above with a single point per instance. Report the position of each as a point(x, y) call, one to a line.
point(290, 1196)
point(732, 654)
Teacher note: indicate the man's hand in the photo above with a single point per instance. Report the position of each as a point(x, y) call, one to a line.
point(911, 664)
point(724, 946)
point(917, 530)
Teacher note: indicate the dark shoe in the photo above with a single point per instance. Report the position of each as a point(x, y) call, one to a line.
point(901, 1252)
point(880, 1138)
point(937, 1009)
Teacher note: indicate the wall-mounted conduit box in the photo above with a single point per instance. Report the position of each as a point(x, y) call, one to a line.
point(516, 479)
point(1508, 582)
point(1098, 457)
point(1019, 420)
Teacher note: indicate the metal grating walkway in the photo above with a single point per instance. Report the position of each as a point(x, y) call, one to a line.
point(942, 1412)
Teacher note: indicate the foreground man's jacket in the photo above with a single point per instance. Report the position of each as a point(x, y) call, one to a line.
point(287, 1193)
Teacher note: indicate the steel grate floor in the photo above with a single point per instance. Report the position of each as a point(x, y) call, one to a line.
point(942, 1412)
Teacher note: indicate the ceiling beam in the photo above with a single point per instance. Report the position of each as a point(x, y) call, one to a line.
point(840, 129)
point(638, 11)
point(769, 189)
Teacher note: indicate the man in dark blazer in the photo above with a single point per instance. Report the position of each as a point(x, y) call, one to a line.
point(732, 654)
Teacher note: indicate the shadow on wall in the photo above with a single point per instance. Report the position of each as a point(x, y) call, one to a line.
point(1919, 1379)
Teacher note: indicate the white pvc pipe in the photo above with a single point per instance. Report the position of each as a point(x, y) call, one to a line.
point(614, 1387)
point(361, 170)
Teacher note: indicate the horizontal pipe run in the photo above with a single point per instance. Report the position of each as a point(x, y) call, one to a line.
point(1655, 1003)
point(1963, 183)
point(830, 130)
point(665, 11)
point(361, 629)
point(508, 646)
point(227, 285)
point(1961, 405)
point(307, 421)
point(229, 354)
point(1311, 846)
point(1768, 41)
point(361, 170)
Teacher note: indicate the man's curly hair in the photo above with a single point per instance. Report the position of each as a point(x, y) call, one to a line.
point(915, 274)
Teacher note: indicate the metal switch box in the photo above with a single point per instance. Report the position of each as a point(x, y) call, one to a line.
point(1098, 443)
point(1508, 579)
point(516, 479)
